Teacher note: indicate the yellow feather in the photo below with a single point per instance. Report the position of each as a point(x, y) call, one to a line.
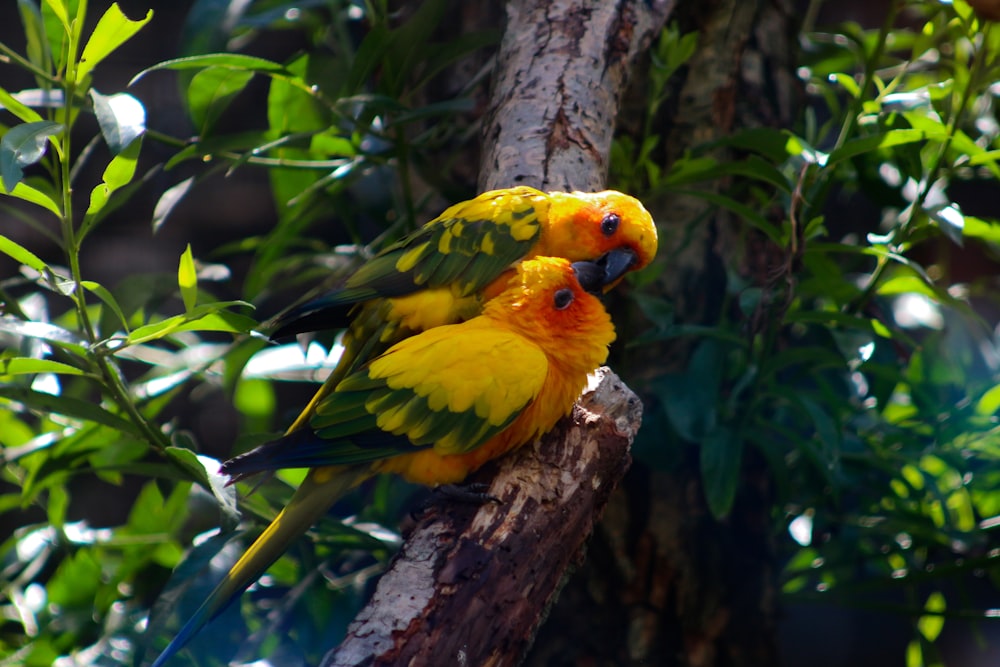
point(410, 258)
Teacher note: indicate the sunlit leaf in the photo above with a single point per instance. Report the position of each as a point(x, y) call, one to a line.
point(949, 220)
point(30, 366)
point(121, 117)
point(117, 174)
point(168, 200)
point(187, 279)
point(112, 30)
point(206, 317)
point(61, 10)
point(21, 254)
point(45, 331)
point(206, 470)
point(931, 624)
point(883, 140)
point(18, 108)
point(981, 228)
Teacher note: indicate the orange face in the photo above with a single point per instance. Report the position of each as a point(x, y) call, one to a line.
point(547, 303)
point(608, 226)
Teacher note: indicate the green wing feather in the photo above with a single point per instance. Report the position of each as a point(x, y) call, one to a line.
point(452, 388)
point(470, 244)
point(467, 247)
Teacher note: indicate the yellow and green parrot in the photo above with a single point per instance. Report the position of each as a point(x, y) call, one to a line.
point(434, 406)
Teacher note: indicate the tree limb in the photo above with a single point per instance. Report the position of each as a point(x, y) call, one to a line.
point(472, 586)
point(472, 583)
point(561, 73)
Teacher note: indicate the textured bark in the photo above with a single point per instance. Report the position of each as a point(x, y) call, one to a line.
point(665, 583)
point(561, 72)
point(472, 583)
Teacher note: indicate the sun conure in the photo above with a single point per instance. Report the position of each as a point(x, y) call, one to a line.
point(434, 407)
point(446, 270)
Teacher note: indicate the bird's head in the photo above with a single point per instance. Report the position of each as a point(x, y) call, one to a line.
point(610, 228)
point(546, 302)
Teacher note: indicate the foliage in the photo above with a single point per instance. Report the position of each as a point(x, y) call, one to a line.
point(861, 361)
point(90, 371)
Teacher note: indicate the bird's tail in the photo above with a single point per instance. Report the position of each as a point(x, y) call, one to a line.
point(321, 488)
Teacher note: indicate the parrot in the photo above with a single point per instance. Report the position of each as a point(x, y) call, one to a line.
point(433, 407)
point(447, 269)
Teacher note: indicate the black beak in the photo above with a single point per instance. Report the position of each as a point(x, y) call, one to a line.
point(590, 275)
point(616, 263)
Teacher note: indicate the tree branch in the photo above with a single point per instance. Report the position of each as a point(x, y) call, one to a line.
point(472, 583)
point(471, 586)
point(561, 73)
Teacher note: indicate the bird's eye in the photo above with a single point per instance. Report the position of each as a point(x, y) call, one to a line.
point(563, 298)
point(609, 225)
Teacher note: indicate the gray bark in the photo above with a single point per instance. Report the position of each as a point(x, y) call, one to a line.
point(561, 72)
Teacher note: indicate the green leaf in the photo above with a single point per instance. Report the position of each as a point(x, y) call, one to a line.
point(121, 169)
point(223, 321)
point(205, 470)
point(21, 254)
point(61, 10)
point(68, 406)
point(931, 624)
point(25, 192)
point(201, 318)
point(691, 398)
point(914, 654)
point(75, 581)
point(989, 402)
point(771, 143)
point(721, 454)
point(45, 331)
point(30, 366)
point(187, 279)
point(233, 61)
point(255, 398)
point(847, 82)
point(37, 46)
point(748, 214)
point(210, 92)
point(979, 228)
point(369, 54)
point(19, 109)
point(906, 283)
point(168, 200)
point(118, 173)
point(109, 300)
point(21, 146)
point(112, 30)
point(692, 170)
point(122, 119)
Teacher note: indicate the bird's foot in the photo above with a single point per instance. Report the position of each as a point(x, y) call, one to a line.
point(470, 494)
point(464, 494)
